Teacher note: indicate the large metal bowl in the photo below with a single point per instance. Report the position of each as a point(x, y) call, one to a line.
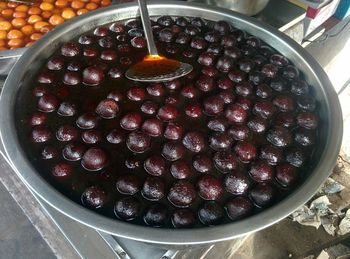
point(324, 158)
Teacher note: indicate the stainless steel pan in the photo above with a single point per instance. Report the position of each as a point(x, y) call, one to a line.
point(325, 157)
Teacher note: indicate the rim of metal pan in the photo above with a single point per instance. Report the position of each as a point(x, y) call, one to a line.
point(314, 74)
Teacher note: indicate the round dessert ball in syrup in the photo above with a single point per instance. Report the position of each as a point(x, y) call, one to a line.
point(62, 170)
point(40, 90)
point(228, 41)
point(93, 75)
point(183, 218)
point(284, 103)
point(227, 96)
point(205, 83)
point(295, 156)
point(37, 118)
point(211, 213)
point(131, 121)
point(153, 189)
point(271, 154)
point(165, 20)
point(306, 103)
point(156, 215)
point(220, 141)
point(206, 59)
point(67, 133)
point(173, 151)
point(279, 136)
point(189, 91)
point(193, 110)
point(156, 89)
point(235, 114)
point(129, 184)
point(153, 127)
point(245, 151)
point(71, 78)
point(127, 208)
point(107, 109)
point(225, 83)
point(174, 84)
point(87, 120)
point(225, 161)
point(244, 89)
point(136, 93)
point(214, 105)
point(91, 136)
point(94, 159)
point(73, 152)
point(202, 163)
point(286, 174)
point(182, 194)
point(173, 131)
point(86, 39)
point(168, 112)
point(238, 208)
point(257, 124)
point(67, 109)
point(180, 170)
point(56, 63)
point(155, 165)
point(101, 32)
point(47, 103)
point(285, 119)
point(217, 124)
point(209, 188)
point(261, 171)
point(239, 132)
point(138, 142)
point(166, 35)
point(70, 49)
point(94, 197)
point(304, 137)
point(307, 120)
point(263, 194)
point(49, 152)
point(149, 107)
point(237, 183)
point(133, 163)
point(222, 27)
point(194, 141)
point(172, 99)
point(183, 38)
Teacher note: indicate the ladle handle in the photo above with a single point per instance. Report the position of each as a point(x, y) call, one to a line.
point(146, 23)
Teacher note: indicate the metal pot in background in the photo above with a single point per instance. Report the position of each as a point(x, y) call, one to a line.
point(247, 7)
point(330, 133)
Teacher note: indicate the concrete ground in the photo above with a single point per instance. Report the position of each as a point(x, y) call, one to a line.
point(18, 237)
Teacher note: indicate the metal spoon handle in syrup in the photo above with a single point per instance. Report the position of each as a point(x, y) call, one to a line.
point(155, 68)
point(146, 23)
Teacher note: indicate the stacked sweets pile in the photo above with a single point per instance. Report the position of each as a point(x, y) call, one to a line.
point(22, 24)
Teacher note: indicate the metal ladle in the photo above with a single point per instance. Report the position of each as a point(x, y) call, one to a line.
point(155, 68)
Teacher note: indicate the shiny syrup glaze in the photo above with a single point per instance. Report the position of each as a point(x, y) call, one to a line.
point(155, 66)
point(86, 99)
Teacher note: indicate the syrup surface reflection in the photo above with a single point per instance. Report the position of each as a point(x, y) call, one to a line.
point(158, 68)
